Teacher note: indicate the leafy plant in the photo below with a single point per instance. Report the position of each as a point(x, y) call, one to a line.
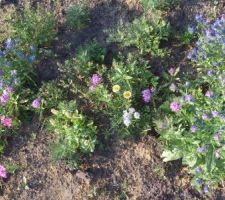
point(76, 135)
point(77, 16)
point(144, 34)
point(159, 4)
point(36, 27)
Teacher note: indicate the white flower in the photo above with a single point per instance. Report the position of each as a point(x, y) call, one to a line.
point(137, 115)
point(127, 122)
point(131, 110)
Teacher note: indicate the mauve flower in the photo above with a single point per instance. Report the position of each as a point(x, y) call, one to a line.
point(36, 103)
point(3, 172)
point(202, 149)
point(188, 97)
point(193, 128)
point(6, 121)
point(206, 188)
point(92, 88)
point(96, 79)
point(209, 94)
point(146, 95)
point(198, 170)
point(215, 113)
point(205, 116)
point(4, 98)
point(211, 72)
point(175, 106)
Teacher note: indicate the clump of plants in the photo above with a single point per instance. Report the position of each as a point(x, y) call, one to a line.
point(77, 17)
point(159, 4)
point(193, 126)
point(37, 27)
point(76, 135)
point(18, 55)
point(144, 34)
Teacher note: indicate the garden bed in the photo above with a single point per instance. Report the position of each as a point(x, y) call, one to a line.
point(118, 169)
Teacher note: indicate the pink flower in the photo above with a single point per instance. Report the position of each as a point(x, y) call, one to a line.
point(3, 172)
point(175, 106)
point(6, 121)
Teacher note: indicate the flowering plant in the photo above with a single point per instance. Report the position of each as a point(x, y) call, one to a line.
point(193, 128)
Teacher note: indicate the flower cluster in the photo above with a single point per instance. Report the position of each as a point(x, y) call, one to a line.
point(128, 115)
point(95, 81)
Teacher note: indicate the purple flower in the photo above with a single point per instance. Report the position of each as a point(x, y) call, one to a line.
point(153, 89)
point(188, 97)
point(199, 18)
point(3, 172)
point(92, 88)
point(4, 98)
point(206, 188)
point(202, 149)
point(209, 94)
point(193, 128)
point(36, 103)
point(198, 170)
point(175, 106)
point(96, 79)
point(9, 90)
point(211, 73)
point(146, 95)
point(173, 87)
point(205, 116)
point(215, 113)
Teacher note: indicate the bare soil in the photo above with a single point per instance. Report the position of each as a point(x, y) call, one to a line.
point(129, 169)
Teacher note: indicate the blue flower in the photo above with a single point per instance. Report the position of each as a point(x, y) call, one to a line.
point(198, 170)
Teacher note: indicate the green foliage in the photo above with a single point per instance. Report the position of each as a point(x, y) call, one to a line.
point(159, 4)
point(76, 135)
point(36, 27)
point(77, 17)
point(51, 94)
point(144, 34)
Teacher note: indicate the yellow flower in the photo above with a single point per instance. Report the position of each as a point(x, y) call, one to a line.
point(116, 88)
point(127, 94)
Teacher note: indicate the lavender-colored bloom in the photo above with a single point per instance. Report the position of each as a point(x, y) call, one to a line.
point(1, 72)
point(4, 98)
point(9, 90)
point(211, 73)
point(215, 113)
point(126, 118)
point(198, 170)
point(209, 94)
point(193, 128)
point(173, 87)
point(146, 95)
point(202, 149)
point(206, 188)
point(175, 106)
point(92, 88)
point(36, 103)
point(199, 18)
point(96, 79)
point(188, 98)
point(205, 116)
point(1, 84)
point(199, 43)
